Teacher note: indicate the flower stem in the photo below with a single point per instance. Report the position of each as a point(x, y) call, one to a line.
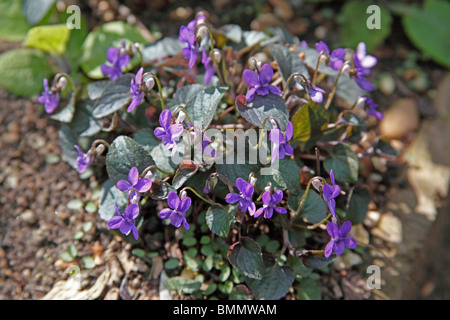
point(333, 92)
point(230, 187)
point(286, 86)
point(158, 83)
point(198, 195)
point(316, 70)
point(154, 167)
point(302, 201)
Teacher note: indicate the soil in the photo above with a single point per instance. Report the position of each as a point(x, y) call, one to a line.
point(36, 226)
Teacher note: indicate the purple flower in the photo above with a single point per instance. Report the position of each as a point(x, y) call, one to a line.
point(246, 190)
point(339, 241)
point(201, 142)
point(141, 185)
point(315, 93)
point(259, 83)
point(84, 160)
point(118, 58)
point(360, 74)
point(50, 98)
point(280, 147)
point(336, 59)
point(372, 109)
point(136, 90)
point(269, 203)
point(330, 192)
point(366, 61)
point(177, 211)
point(209, 66)
point(125, 222)
point(187, 34)
point(168, 133)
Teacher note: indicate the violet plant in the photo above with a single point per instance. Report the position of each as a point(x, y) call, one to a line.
point(184, 138)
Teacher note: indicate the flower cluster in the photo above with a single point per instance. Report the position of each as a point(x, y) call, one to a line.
point(259, 82)
point(118, 59)
point(336, 59)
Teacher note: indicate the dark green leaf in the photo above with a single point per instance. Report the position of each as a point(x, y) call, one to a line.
point(309, 122)
point(185, 170)
point(68, 138)
point(286, 177)
point(274, 284)
point(308, 290)
point(315, 262)
point(109, 196)
point(115, 96)
point(262, 107)
point(288, 63)
point(83, 123)
point(429, 29)
point(314, 209)
point(182, 284)
point(354, 21)
point(245, 255)
point(123, 154)
point(344, 163)
point(220, 219)
point(160, 190)
point(358, 205)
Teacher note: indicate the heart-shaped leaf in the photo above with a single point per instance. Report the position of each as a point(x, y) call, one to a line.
point(309, 122)
point(262, 107)
point(114, 97)
point(344, 163)
point(109, 196)
point(220, 219)
point(245, 255)
point(185, 170)
point(123, 154)
point(358, 205)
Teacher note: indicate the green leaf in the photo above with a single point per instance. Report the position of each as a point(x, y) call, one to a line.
point(245, 255)
point(83, 122)
point(123, 154)
point(274, 284)
point(109, 197)
point(185, 170)
point(286, 177)
point(114, 97)
point(219, 220)
point(314, 209)
point(182, 284)
point(14, 25)
point(166, 47)
point(236, 170)
point(429, 29)
point(88, 262)
point(348, 89)
point(67, 112)
point(23, 71)
point(311, 58)
point(308, 289)
point(261, 107)
point(309, 122)
point(288, 63)
point(72, 250)
point(315, 262)
point(353, 25)
point(171, 263)
point(65, 256)
point(160, 190)
point(67, 139)
point(100, 40)
point(51, 38)
point(202, 107)
point(358, 205)
point(35, 10)
point(344, 163)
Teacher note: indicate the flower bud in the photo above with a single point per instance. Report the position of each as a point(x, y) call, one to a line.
point(150, 83)
point(210, 183)
point(252, 179)
point(149, 175)
point(180, 117)
point(217, 55)
point(360, 102)
point(99, 149)
point(183, 194)
point(268, 187)
point(346, 68)
point(62, 82)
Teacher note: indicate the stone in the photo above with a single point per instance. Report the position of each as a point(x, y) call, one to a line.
point(401, 119)
point(389, 228)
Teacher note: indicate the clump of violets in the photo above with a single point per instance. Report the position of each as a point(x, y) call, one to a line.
point(269, 204)
point(336, 59)
point(244, 198)
point(50, 96)
point(339, 239)
point(259, 82)
point(117, 58)
point(177, 210)
point(330, 192)
point(125, 222)
point(280, 146)
point(169, 132)
point(84, 160)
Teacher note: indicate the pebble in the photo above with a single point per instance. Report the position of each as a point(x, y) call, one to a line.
point(389, 228)
point(401, 119)
point(347, 260)
point(372, 218)
point(28, 216)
